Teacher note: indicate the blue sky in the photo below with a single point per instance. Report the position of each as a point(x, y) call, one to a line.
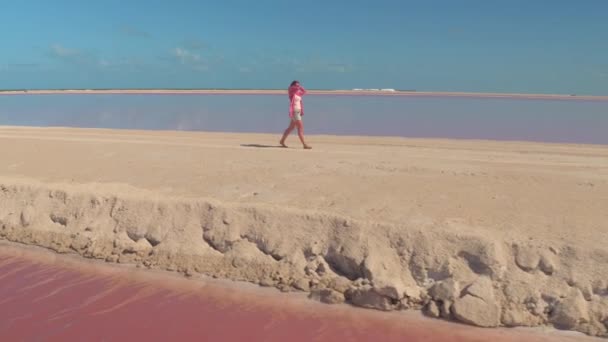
point(542, 46)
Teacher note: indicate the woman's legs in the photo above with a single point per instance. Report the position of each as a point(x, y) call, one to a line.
point(300, 127)
point(287, 132)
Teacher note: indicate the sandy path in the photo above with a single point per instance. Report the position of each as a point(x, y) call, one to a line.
point(515, 189)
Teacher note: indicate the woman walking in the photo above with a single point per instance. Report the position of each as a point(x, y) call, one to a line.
point(296, 111)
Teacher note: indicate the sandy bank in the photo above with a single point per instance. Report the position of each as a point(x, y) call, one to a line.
point(486, 233)
point(311, 92)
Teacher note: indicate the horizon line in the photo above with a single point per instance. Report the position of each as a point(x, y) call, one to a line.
point(272, 91)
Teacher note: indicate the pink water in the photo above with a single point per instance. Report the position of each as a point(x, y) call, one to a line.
point(554, 120)
point(54, 298)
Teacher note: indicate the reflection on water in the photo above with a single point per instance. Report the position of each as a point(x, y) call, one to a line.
point(576, 121)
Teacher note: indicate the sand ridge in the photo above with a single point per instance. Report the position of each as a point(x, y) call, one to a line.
point(486, 233)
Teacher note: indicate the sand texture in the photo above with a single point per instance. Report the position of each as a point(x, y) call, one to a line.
point(485, 233)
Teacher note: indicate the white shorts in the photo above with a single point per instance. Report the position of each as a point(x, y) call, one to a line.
point(297, 115)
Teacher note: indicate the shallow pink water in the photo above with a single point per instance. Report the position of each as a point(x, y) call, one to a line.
point(48, 299)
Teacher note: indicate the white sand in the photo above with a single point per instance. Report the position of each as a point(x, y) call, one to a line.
point(487, 233)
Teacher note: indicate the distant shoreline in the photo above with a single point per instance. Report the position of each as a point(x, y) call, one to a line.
point(312, 92)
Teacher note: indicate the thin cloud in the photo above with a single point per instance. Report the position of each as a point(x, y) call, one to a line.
point(200, 67)
point(132, 64)
point(337, 67)
point(195, 44)
point(104, 63)
point(185, 56)
point(22, 65)
point(189, 59)
point(19, 66)
point(322, 66)
point(85, 59)
point(310, 65)
point(63, 52)
point(72, 56)
point(286, 62)
point(134, 32)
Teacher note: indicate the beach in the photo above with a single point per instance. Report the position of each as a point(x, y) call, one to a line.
point(487, 233)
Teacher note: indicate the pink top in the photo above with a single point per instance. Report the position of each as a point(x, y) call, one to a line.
point(295, 90)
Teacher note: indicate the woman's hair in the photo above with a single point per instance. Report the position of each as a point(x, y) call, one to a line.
point(294, 83)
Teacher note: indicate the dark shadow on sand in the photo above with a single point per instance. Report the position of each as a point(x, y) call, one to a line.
point(261, 146)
